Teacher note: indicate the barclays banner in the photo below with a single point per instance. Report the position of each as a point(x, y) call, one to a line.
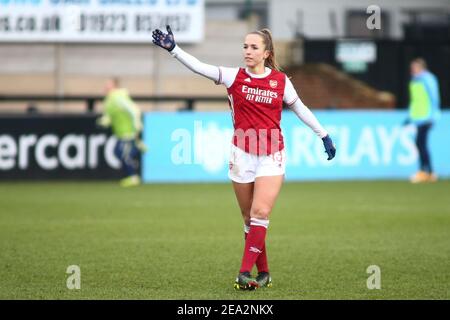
point(194, 147)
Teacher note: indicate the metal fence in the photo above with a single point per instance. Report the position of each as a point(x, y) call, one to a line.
point(90, 101)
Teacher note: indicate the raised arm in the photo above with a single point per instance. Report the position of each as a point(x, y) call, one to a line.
point(206, 70)
point(167, 41)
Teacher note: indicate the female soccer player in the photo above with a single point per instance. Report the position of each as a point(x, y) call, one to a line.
point(257, 163)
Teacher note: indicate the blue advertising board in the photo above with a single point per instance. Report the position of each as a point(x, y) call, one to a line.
point(195, 146)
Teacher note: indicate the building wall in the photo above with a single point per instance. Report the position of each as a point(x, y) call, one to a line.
point(312, 18)
point(81, 69)
point(147, 70)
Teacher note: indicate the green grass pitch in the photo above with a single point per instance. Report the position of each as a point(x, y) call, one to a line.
point(185, 241)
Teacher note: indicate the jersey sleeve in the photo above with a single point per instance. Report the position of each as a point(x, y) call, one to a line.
point(107, 105)
point(294, 102)
point(227, 76)
point(290, 94)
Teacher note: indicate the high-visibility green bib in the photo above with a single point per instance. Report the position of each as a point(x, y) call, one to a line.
point(123, 113)
point(419, 102)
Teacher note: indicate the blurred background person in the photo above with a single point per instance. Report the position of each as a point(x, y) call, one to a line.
point(124, 117)
point(424, 110)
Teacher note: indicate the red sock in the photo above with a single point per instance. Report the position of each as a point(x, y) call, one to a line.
point(254, 243)
point(261, 261)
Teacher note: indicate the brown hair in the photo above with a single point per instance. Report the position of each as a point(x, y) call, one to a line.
point(268, 42)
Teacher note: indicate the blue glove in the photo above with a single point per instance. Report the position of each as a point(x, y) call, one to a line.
point(330, 149)
point(164, 40)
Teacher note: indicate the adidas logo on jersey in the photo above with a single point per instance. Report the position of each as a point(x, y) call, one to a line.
point(248, 80)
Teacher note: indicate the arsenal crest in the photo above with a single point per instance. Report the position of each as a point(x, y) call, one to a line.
point(273, 83)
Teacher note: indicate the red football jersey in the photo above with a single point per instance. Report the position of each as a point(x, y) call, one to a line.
point(256, 105)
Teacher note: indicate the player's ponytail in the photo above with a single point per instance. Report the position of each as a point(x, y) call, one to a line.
point(268, 42)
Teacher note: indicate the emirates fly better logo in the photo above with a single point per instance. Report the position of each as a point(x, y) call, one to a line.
point(259, 95)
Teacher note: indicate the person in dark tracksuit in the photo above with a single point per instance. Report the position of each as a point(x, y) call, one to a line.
point(424, 110)
point(124, 117)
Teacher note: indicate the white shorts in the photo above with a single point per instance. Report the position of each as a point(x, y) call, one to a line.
point(246, 167)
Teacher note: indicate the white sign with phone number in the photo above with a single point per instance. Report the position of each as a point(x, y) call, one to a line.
point(129, 21)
